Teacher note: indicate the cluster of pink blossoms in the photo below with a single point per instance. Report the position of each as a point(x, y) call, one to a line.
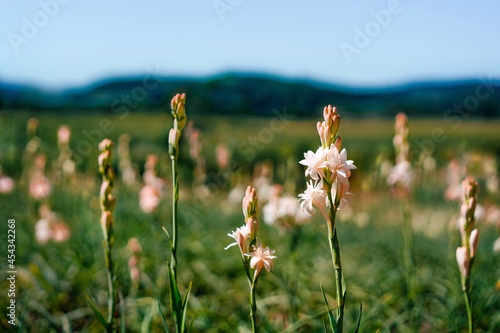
point(246, 237)
point(328, 168)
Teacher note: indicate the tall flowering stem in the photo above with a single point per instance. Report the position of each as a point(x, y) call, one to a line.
point(178, 304)
point(254, 256)
point(107, 203)
point(400, 181)
point(466, 253)
point(329, 171)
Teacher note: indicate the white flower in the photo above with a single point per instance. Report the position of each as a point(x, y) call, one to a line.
point(338, 164)
point(261, 257)
point(314, 195)
point(401, 175)
point(341, 194)
point(315, 163)
point(240, 235)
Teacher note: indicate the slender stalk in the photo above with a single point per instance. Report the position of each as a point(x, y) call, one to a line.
point(176, 306)
point(111, 289)
point(175, 198)
point(408, 252)
point(253, 307)
point(468, 302)
point(337, 264)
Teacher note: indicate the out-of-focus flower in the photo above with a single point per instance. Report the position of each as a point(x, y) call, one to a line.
point(149, 198)
point(463, 260)
point(60, 232)
point(43, 232)
point(50, 227)
point(6, 184)
point(39, 187)
point(401, 177)
point(63, 135)
point(134, 247)
point(223, 156)
point(496, 245)
point(261, 257)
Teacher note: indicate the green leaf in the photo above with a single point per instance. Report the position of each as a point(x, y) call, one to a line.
point(175, 296)
point(184, 306)
point(122, 313)
point(333, 322)
point(359, 317)
point(97, 313)
point(163, 317)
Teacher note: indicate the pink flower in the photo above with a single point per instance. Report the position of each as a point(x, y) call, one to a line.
point(240, 236)
point(261, 257)
point(60, 232)
point(39, 187)
point(6, 184)
point(315, 163)
point(63, 135)
point(339, 165)
point(149, 198)
point(313, 196)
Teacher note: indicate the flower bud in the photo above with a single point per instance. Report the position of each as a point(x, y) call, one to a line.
point(106, 144)
point(338, 143)
point(249, 203)
point(106, 223)
point(469, 187)
point(252, 225)
point(473, 241)
point(462, 260)
point(173, 141)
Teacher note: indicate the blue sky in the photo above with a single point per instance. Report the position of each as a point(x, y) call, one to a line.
point(76, 42)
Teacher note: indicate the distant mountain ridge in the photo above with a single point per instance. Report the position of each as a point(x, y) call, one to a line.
point(258, 94)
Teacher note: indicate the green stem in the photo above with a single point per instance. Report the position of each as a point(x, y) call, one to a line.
point(337, 264)
point(253, 307)
point(408, 252)
point(111, 289)
point(175, 198)
point(176, 306)
point(468, 304)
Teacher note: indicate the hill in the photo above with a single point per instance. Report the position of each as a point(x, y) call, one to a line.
point(258, 94)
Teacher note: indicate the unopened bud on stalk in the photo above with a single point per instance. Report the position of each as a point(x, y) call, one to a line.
point(473, 241)
point(463, 261)
point(252, 226)
point(470, 187)
point(179, 110)
point(173, 142)
point(332, 120)
point(338, 143)
point(107, 226)
point(249, 203)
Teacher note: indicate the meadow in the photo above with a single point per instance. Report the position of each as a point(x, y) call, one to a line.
point(53, 277)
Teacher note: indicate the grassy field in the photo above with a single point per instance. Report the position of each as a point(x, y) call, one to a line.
point(52, 278)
